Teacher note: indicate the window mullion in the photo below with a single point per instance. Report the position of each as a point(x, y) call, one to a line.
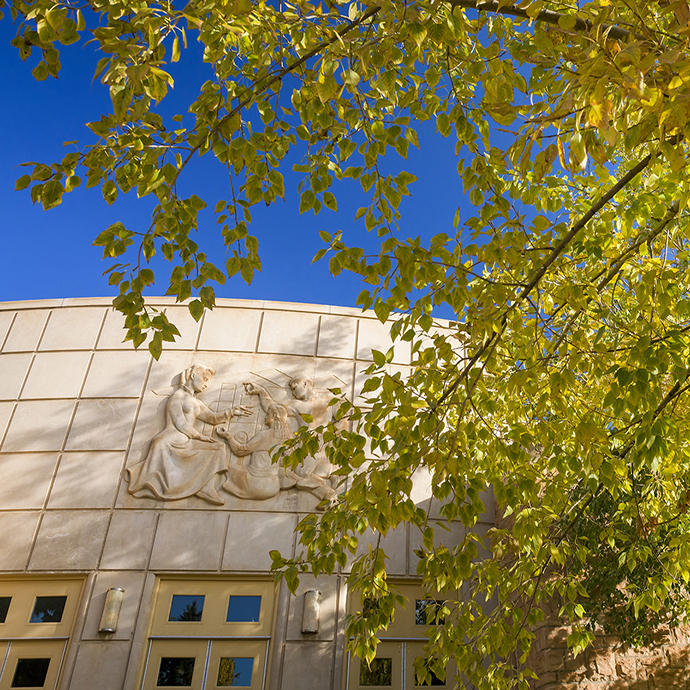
point(206, 665)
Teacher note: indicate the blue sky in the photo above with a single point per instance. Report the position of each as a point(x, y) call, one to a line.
point(49, 254)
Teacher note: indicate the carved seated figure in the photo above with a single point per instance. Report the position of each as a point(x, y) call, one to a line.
point(262, 478)
point(181, 461)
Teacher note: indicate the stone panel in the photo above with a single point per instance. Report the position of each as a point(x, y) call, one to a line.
point(116, 374)
point(26, 331)
point(421, 494)
point(132, 583)
point(284, 501)
point(125, 500)
point(38, 425)
point(113, 332)
point(164, 375)
point(328, 600)
point(17, 531)
point(445, 534)
point(308, 665)
point(361, 377)
point(56, 375)
point(394, 545)
point(72, 329)
point(13, 370)
point(5, 413)
point(101, 665)
point(26, 478)
point(374, 335)
point(188, 327)
point(252, 535)
point(128, 544)
point(69, 540)
point(286, 332)
point(230, 330)
point(150, 421)
point(140, 641)
point(334, 373)
point(421, 488)
point(102, 425)
point(86, 480)
point(337, 337)
point(189, 541)
point(5, 323)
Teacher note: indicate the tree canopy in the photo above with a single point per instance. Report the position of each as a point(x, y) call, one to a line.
point(563, 382)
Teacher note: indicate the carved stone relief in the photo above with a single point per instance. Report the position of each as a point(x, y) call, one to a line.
point(183, 461)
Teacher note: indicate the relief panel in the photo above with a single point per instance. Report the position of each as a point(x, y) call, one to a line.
point(212, 448)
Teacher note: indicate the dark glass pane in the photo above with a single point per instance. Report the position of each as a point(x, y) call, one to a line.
point(30, 673)
point(235, 671)
point(244, 609)
point(4, 608)
point(48, 609)
point(379, 673)
point(175, 672)
point(428, 612)
point(186, 607)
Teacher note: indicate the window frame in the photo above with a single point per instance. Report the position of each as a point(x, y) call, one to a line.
point(21, 639)
point(405, 632)
point(219, 637)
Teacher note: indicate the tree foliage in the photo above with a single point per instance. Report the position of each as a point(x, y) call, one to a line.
point(563, 383)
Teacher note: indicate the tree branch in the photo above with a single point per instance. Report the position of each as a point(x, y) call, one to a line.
point(643, 236)
point(539, 273)
point(547, 16)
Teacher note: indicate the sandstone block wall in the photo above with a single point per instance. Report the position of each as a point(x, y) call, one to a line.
point(610, 665)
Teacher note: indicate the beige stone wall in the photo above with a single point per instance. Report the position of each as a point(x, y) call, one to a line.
point(609, 665)
point(77, 406)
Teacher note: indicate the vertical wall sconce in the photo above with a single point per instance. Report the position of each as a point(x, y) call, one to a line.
point(310, 615)
point(111, 610)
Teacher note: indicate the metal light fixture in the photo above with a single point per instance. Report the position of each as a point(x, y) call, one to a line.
point(111, 610)
point(310, 615)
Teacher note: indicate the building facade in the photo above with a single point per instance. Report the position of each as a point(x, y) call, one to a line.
point(138, 505)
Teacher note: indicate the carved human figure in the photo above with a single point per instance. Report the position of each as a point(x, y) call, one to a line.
point(261, 478)
point(181, 461)
point(306, 400)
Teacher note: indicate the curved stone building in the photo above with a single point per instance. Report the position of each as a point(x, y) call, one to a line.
point(138, 504)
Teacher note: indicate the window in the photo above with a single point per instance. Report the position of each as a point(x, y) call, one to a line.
point(428, 611)
point(36, 619)
point(243, 609)
point(384, 672)
point(210, 634)
point(186, 608)
point(430, 680)
point(30, 673)
point(4, 608)
point(378, 674)
point(48, 609)
point(235, 671)
point(175, 671)
point(401, 645)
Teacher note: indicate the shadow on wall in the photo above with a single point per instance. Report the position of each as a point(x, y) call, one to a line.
point(26, 479)
point(337, 337)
